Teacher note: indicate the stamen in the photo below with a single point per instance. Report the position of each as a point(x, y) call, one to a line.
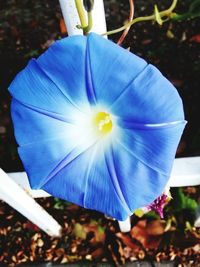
point(103, 123)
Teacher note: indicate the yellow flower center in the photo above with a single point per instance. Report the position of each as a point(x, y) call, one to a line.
point(103, 123)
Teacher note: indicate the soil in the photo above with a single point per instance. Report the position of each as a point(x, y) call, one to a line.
point(27, 28)
point(89, 236)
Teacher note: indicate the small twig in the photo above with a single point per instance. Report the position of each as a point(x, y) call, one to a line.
point(164, 13)
point(131, 15)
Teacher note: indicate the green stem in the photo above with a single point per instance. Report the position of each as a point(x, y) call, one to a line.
point(172, 7)
point(90, 22)
point(81, 13)
point(165, 13)
point(130, 24)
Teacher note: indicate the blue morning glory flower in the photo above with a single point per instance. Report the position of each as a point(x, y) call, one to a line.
point(96, 125)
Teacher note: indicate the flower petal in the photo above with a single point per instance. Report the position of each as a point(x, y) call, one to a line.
point(57, 153)
point(143, 161)
point(149, 99)
point(33, 125)
point(33, 87)
point(92, 187)
point(155, 148)
point(112, 68)
point(64, 64)
point(139, 183)
point(41, 158)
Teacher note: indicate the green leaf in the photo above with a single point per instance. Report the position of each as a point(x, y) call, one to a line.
point(182, 201)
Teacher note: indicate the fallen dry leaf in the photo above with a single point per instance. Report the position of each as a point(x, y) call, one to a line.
point(128, 241)
point(141, 233)
point(98, 253)
point(59, 252)
point(156, 227)
point(30, 226)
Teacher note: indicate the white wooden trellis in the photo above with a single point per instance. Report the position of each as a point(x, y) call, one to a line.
point(14, 187)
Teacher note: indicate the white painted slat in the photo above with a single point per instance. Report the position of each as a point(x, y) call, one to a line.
point(125, 226)
point(21, 179)
point(17, 198)
point(185, 172)
point(71, 18)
